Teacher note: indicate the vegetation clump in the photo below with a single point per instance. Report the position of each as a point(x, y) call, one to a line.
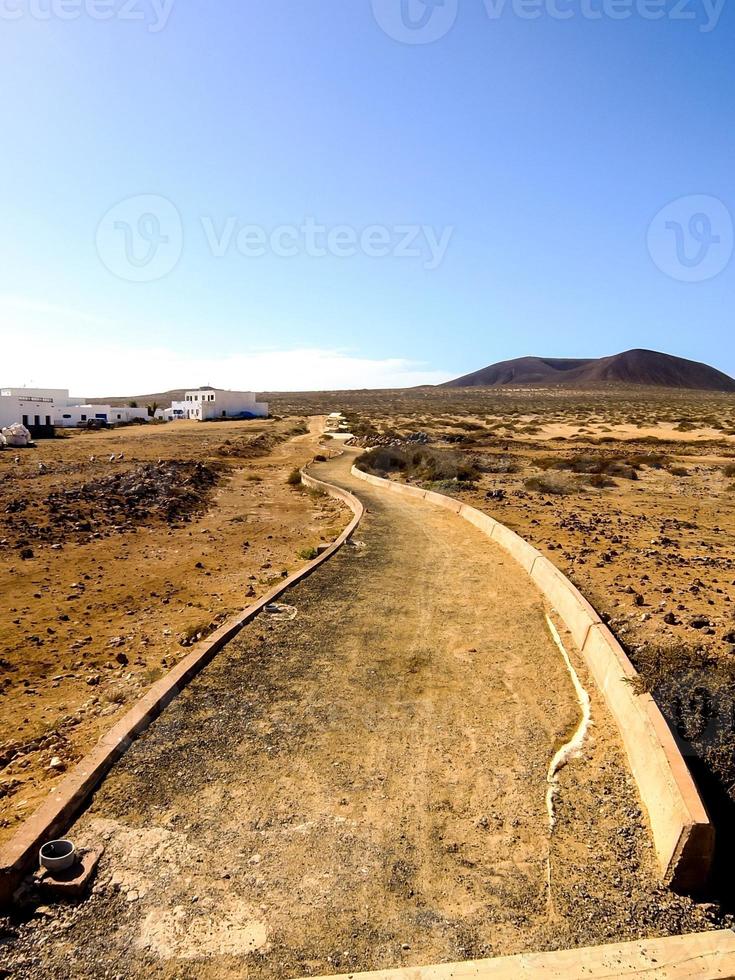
point(592, 465)
point(550, 485)
point(424, 466)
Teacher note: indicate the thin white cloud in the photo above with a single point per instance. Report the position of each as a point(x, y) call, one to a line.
point(57, 349)
point(100, 369)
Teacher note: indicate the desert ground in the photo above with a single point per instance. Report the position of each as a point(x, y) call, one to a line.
point(127, 562)
point(359, 781)
point(631, 492)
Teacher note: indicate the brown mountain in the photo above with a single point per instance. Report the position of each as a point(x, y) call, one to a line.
point(635, 367)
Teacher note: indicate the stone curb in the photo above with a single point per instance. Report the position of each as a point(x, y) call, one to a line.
point(698, 956)
point(683, 835)
point(65, 800)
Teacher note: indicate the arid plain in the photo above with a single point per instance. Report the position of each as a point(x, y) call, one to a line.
point(383, 755)
point(631, 492)
point(128, 561)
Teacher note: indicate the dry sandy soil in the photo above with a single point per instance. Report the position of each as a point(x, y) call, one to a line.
point(359, 782)
point(631, 494)
point(131, 561)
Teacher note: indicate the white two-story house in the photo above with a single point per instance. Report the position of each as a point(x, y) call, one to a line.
point(206, 404)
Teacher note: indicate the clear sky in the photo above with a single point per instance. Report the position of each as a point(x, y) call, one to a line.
point(276, 158)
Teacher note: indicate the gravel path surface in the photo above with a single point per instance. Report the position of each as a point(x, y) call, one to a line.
point(363, 786)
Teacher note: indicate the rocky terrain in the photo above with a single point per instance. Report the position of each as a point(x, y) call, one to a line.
point(169, 492)
point(632, 495)
point(324, 800)
point(119, 550)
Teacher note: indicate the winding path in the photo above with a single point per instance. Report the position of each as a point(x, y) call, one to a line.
point(364, 785)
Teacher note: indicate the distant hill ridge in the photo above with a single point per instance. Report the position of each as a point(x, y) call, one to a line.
point(637, 367)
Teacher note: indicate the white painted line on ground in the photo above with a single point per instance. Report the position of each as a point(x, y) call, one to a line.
point(573, 747)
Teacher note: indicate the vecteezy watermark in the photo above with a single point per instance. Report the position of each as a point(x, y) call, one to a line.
point(424, 21)
point(691, 239)
point(415, 21)
point(338, 241)
point(704, 13)
point(154, 14)
point(141, 239)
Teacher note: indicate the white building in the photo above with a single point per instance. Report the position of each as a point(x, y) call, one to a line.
point(40, 409)
point(35, 408)
point(73, 414)
point(206, 404)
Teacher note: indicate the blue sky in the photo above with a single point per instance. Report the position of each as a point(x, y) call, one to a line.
point(537, 152)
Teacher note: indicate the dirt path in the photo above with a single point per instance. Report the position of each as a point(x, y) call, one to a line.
point(91, 621)
point(363, 786)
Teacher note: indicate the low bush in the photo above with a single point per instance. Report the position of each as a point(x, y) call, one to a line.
point(421, 465)
point(656, 461)
point(600, 481)
point(448, 486)
point(382, 461)
point(591, 465)
point(622, 469)
point(498, 465)
point(550, 485)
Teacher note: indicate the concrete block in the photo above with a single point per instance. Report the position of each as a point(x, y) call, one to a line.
point(683, 835)
point(441, 500)
point(523, 552)
point(74, 882)
point(482, 521)
point(577, 613)
point(409, 491)
point(703, 955)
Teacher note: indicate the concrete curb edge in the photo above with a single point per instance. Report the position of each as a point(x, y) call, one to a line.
point(65, 800)
point(700, 955)
point(682, 832)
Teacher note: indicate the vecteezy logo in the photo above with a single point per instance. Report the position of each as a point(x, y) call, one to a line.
point(141, 238)
point(415, 21)
point(691, 239)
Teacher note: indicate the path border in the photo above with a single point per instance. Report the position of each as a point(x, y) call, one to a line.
point(698, 956)
point(66, 799)
point(683, 834)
